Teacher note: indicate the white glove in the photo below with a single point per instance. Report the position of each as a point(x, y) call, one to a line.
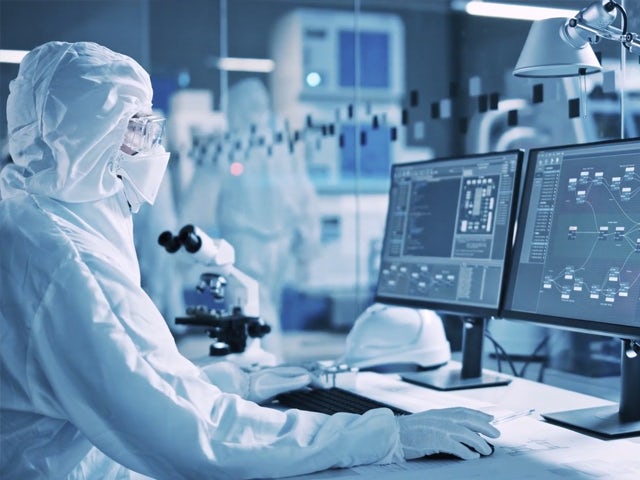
point(449, 430)
point(271, 381)
point(258, 386)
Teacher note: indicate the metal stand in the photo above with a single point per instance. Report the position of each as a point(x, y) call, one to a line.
point(230, 332)
point(611, 421)
point(471, 375)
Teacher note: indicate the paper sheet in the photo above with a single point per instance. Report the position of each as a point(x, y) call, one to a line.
point(412, 398)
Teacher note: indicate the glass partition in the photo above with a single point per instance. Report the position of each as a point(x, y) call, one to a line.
point(284, 118)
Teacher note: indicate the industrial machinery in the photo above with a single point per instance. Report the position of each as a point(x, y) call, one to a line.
point(234, 322)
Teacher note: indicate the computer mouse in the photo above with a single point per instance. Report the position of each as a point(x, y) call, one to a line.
point(450, 456)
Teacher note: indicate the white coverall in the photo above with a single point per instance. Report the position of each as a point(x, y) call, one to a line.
point(91, 382)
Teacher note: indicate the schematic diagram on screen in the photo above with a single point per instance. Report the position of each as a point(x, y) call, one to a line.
point(587, 233)
point(478, 205)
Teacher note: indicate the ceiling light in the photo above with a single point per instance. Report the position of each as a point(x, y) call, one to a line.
point(12, 56)
point(235, 64)
point(509, 10)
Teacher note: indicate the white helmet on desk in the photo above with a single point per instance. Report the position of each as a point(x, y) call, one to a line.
point(390, 335)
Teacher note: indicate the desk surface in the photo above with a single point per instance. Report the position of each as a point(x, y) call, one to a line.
point(529, 447)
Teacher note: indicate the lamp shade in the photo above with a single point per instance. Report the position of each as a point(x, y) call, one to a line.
point(547, 54)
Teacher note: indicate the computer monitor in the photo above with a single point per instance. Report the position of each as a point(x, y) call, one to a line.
point(576, 262)
point(448, 231)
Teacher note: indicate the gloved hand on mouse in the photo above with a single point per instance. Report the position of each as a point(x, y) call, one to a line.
point(455, 431)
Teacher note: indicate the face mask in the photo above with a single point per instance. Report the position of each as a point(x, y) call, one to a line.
point(141, 175)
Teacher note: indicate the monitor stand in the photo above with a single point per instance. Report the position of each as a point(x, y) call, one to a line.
point(471, 375)
point(611, 421)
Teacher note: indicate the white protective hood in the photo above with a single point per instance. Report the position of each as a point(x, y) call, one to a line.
point(67, 113)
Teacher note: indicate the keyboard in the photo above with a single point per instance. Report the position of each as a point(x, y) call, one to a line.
point(332, 400)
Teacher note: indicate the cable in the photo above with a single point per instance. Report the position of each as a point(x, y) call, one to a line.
point(498, 357)
point(623, 13)
point(502, 352)
point(543, 368)
point(541, 345)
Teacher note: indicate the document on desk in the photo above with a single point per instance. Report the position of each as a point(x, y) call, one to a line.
point(527, 449)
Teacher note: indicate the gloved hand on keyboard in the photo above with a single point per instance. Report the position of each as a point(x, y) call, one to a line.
point(259, 386)
point(269, 382)
point(451, 430)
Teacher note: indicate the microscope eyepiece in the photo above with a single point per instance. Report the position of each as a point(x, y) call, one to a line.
point(169, 241)
point(190, 238)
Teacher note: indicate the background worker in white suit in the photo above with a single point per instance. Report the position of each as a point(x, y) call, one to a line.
point(267, 207)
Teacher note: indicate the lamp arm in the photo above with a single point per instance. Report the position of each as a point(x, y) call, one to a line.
point(630, 40)
point(595, 21)
point(632, 43)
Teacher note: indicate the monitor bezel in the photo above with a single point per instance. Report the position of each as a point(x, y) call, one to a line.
point(565, 323)
point(467, 310)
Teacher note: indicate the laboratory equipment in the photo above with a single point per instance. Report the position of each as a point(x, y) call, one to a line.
point(318, 46)
point(236, 326)
point(327, 59)
point(575, 263)
point(448, 232)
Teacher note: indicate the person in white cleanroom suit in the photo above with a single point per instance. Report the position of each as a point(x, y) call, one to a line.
point(268, 209)
point(92, 384)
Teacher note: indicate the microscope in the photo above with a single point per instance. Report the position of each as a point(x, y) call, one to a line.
point(236, 327)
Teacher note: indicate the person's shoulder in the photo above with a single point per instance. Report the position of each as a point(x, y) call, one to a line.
point(29, 232)
point(18, 214)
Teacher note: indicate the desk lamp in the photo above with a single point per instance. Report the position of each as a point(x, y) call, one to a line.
point(561, 47)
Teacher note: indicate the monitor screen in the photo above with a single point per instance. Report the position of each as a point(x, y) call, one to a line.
point(448, 231)
point(374, 48)
point(576, 261)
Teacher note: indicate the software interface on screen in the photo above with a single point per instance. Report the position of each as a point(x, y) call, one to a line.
point(577, 253)
point(447, 232)
point(449, 228)
point(576, 261)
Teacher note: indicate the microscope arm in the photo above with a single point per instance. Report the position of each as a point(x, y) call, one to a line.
point(240, 290)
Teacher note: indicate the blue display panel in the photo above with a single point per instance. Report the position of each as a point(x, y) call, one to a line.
point(373, 61)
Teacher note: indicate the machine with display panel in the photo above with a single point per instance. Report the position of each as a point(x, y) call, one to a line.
point(448, 232)
point(336, 71)
point(576, 262)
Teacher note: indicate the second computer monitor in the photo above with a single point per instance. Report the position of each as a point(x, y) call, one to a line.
point(448, 232)
point(576, 262)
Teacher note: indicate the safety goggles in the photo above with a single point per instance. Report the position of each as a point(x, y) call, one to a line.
point(144, 133)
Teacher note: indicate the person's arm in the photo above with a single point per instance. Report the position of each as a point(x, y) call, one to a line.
point(116, 374)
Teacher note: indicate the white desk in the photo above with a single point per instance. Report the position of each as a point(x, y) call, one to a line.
point(529, 448)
